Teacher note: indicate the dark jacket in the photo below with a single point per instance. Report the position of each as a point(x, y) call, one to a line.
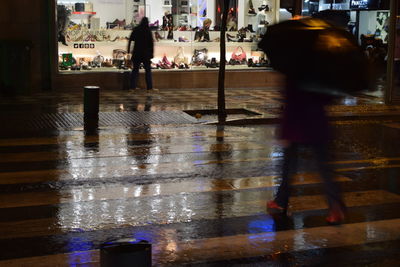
point(304, 117)
point(144, 47)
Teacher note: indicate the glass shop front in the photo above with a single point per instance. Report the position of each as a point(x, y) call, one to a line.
point(93, 35)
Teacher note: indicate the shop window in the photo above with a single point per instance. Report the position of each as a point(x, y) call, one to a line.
point(396, 66)
point(93, 34)
point(334, 4)
point(369, 22)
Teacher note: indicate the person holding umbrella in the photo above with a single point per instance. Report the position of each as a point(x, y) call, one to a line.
point(320, 61)
point(305, 124)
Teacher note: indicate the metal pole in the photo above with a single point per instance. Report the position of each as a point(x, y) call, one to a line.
point(221, 74)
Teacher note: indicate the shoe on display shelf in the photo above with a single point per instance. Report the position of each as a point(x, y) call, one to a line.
point(251, 12)
point(183, 39)
point(155, 25)
point(250, 62)
point(231, 38)
point(263, 7)
point(212, 64)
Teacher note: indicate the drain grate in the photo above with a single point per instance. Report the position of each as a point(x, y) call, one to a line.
point(74, 120)
point(240, 111)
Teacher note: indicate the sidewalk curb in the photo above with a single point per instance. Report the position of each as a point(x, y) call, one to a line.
point(276, 120)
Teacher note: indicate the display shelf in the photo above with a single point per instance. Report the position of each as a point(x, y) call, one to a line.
point(191, 68)
point(204, 44)
point(83, 13)
point(166, 5)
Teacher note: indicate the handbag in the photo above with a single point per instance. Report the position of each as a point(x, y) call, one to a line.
point(180, 57)
point(239, 54)
point(98, 60)
point(199, 56)
point(119, 54)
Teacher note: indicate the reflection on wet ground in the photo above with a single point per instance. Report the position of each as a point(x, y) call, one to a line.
point(197, 193)
point(266, 101)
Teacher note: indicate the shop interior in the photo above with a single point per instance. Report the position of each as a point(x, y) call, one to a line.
point(93, 35)
point(368, 20)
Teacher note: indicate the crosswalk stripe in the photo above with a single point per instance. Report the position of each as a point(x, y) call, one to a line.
point(97, 193)
point(163, 168)
point(253, 245)
point(389, 166)
point(68, 221)
point(79, 153)
point(204, 135)
point(133, 168)
point(239, 246)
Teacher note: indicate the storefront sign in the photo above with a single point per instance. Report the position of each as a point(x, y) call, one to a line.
point(85, 46)
point(359, 4)
point(370, 4)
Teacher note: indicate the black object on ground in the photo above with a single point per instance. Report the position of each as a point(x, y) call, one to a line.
point(125, 253)
point(91, 100)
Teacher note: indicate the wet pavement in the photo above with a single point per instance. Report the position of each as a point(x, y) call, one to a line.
point(195, 190)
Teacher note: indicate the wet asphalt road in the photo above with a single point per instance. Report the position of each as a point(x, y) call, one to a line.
point(197, 193)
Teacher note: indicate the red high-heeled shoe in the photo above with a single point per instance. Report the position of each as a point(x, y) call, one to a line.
point(165, 60)
point(274, 208)
point(335, 216)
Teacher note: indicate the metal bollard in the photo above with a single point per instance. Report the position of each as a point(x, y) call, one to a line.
point(125, 253)
point(91, 99)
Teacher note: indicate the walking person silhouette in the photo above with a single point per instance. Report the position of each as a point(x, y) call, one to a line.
point(305, 124)
point(321, 61)
point(143, 52)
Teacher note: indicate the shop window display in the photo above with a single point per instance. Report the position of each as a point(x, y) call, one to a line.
point(366, 19)
point(93, 35)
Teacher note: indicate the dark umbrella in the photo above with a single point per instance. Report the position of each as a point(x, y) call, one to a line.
point(320, 56)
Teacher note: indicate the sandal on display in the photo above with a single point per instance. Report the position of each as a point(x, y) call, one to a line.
point(250, 28)
point(157, 37)
point(250, 62)
point(165, 60)
point(183, 39)
point(231, 38)
point(183, 66)
point(251, 11)
point(154, 25)
point(263, 7)
point(212, 64)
